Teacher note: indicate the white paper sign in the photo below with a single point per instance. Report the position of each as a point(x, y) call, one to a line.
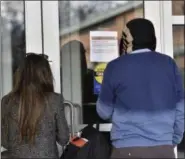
point(103, 46)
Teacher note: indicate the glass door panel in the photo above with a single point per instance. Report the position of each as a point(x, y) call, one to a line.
point(76, 20)
point(12, 36)
point(73, 70)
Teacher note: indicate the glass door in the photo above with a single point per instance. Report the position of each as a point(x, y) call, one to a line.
point(20, 32)
point(77, 71)
point(12, 39)
point(66, 40)
point(66, 28)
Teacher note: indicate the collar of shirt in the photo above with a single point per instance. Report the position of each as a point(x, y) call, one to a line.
point(140, 51)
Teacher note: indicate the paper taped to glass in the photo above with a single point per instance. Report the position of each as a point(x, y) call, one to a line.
point(103, 46)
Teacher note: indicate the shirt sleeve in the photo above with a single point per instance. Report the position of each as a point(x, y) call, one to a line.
point(105, 101)
point(179, 116)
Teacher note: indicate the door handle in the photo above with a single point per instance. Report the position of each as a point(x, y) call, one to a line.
point(71, 108)
point(80, 112)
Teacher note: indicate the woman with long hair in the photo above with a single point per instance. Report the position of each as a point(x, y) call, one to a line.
point(33, 118)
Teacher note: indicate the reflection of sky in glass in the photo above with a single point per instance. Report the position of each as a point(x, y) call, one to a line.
point(12, 11)
point(78, 12)
point(81, 3)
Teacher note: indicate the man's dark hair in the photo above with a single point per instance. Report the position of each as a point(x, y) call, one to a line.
point(143, 33)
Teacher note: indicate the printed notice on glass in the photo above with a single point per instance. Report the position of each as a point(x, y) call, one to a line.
point(103, 46)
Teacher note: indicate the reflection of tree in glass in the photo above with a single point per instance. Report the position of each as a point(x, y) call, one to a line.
point(75, 12)
point(12, 13)
point(18, 45)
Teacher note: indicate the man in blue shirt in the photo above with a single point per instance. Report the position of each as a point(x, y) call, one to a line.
point(142, 94)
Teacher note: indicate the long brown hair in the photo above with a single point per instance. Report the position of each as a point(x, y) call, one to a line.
point(33, 83)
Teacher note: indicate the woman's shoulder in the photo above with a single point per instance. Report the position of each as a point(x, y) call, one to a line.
point(56, 99)
point(9, 99)
point(5, 104)
point(5, 99)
